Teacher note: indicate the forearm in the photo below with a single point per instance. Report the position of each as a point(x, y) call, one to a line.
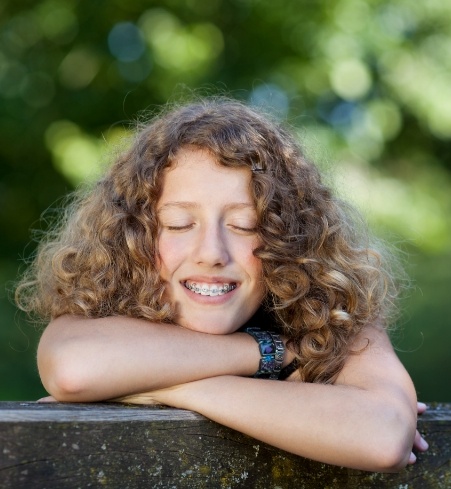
point(97, 359)
point(340, 425)
point(366, 420)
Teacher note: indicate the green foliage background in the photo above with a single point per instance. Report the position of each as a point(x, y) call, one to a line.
point(366, 83)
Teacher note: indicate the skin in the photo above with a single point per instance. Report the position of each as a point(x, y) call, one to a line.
point(366, 420)
point(360, 398)
point(208, 235)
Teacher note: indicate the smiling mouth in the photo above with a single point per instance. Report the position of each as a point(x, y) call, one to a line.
point(210, 289)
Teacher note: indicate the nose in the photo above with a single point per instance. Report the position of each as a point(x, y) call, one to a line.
point(211, 248)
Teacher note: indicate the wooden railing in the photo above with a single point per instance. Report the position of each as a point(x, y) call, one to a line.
point(65, 446)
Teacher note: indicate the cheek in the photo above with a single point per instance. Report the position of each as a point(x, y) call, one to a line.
point(250, 262)
point(170, 256)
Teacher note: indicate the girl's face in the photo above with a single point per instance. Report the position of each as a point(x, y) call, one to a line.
point(207, 238)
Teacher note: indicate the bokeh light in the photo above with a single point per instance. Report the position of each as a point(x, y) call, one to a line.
point(125, 42)
point(367, 85)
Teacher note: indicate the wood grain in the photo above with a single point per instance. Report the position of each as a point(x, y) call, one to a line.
point(61, 446)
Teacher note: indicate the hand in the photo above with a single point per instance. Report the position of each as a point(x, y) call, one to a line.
point(142, 398)
point(47, 399)
point(419, 443)
point(168, 396)
point(146, 398)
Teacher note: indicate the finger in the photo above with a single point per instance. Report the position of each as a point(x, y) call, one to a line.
point(419, 443)
point(412, 459)
point(136, 399)
point(47, 399)
point(421, 407)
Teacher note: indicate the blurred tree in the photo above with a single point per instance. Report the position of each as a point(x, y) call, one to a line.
point(369, 82)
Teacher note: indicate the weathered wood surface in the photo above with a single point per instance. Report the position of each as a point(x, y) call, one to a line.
point(68, 446)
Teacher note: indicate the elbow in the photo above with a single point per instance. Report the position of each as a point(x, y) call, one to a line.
point(394, 443)
point(394, 459)
point(62, 375)
point(64, 385)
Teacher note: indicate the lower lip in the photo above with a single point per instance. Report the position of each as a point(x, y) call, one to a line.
point(208, 299)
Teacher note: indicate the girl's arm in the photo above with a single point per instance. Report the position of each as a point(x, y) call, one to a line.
point(366, 420)
point(84, 360)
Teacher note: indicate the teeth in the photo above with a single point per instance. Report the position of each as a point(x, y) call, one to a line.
point(211, 290)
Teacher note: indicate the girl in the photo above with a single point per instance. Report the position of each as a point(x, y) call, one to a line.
point(208, 265)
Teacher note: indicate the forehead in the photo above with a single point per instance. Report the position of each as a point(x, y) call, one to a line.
point(196, 174)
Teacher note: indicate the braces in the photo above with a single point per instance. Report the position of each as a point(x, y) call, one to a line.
point(198, 290)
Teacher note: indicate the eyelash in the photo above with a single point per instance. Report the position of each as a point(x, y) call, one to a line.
point(179, 228)
point(247, 230)
point(189, 226)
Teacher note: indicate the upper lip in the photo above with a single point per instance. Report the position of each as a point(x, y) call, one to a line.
point(210, 280)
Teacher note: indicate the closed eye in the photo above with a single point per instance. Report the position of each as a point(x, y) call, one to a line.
point(244, 229)
point(179, 228)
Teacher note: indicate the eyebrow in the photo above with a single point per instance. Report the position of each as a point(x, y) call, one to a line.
point(194, 205)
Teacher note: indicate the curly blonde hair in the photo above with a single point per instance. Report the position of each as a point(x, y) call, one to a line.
point(324, 280)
